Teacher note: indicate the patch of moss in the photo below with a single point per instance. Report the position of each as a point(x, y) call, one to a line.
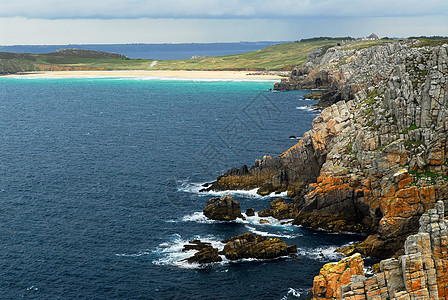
point(350, 148)
point(412, 144)
point(373, 93)
point(410, 128)
point(428, 174)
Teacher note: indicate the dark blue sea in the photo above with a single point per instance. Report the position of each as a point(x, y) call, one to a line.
point(99, 183)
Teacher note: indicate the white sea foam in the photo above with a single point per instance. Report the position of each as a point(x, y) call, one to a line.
point(292, 293)
point(170, 253)
point(199, 217)
point(321, 253)
point(308, 108)
point(195, 188)
point(138, 254)
point(264, 233)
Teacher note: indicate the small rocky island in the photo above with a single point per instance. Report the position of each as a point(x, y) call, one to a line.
point(247, 245)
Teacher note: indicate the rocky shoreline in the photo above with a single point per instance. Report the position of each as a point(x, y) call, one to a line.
point(376, 158)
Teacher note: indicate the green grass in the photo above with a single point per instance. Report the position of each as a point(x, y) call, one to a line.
point(363, 44)
point(431, 43)
point(410, 128)
point(276, 57)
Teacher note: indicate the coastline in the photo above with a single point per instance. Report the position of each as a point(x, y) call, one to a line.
point(218, 75)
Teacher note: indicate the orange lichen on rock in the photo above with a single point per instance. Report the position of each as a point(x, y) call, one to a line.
point(327, 285)
point(421, 273)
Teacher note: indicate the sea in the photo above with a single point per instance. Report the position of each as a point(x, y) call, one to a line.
point(100, 180)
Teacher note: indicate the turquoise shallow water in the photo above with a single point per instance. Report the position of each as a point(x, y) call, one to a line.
point(99, 181)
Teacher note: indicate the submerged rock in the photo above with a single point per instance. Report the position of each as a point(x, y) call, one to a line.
point(250, 245)
point(250, 212)
point(223, 209)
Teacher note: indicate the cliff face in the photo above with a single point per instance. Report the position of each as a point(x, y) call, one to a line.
point(421, 273)
point(374, 162)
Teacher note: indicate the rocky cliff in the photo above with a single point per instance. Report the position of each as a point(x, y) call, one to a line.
point(376, 159)
point(421, 273)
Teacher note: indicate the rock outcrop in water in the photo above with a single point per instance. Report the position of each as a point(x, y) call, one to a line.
point(421, 273)
point(251, 245)
point(375, 160)
point(279, 209)
point(205, 254)
point(223, 209)
point(247, 245)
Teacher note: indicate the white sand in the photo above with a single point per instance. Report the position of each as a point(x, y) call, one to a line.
point(241, 75)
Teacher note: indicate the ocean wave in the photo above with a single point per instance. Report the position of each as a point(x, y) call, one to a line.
point(195, 188)
point(321, 253)
point(292, 293)
point(269, 234)
point(199, 217)
point(170, 253)
point(307, 108)
point(138, 254)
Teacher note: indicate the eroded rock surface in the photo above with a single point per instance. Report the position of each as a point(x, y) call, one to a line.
point(250, 245)
point(223, 209)
point(279, 209)
point(421, 273)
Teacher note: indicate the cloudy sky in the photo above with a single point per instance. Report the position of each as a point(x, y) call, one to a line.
point(175, 21)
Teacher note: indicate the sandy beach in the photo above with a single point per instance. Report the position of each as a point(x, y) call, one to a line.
point(225, 75)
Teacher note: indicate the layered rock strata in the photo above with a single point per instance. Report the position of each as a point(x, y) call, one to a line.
point(327, 285)
point(250, 245)
point(375, 161)
point(421, 273)
point(279, 209)
point(223, 208)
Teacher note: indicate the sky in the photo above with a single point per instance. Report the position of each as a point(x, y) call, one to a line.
point(31, 22)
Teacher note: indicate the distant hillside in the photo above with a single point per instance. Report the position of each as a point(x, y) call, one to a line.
point(80, 53)
point(276, 57)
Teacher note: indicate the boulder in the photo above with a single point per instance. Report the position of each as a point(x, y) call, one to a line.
point(206, 253)
point(250, 245)
point(223, 209)
point(250, 212)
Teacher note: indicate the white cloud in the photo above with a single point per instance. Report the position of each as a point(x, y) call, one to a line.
point(19, 30)
point(268, 9)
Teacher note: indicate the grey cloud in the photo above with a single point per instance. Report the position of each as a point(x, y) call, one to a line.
point(218, 9)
